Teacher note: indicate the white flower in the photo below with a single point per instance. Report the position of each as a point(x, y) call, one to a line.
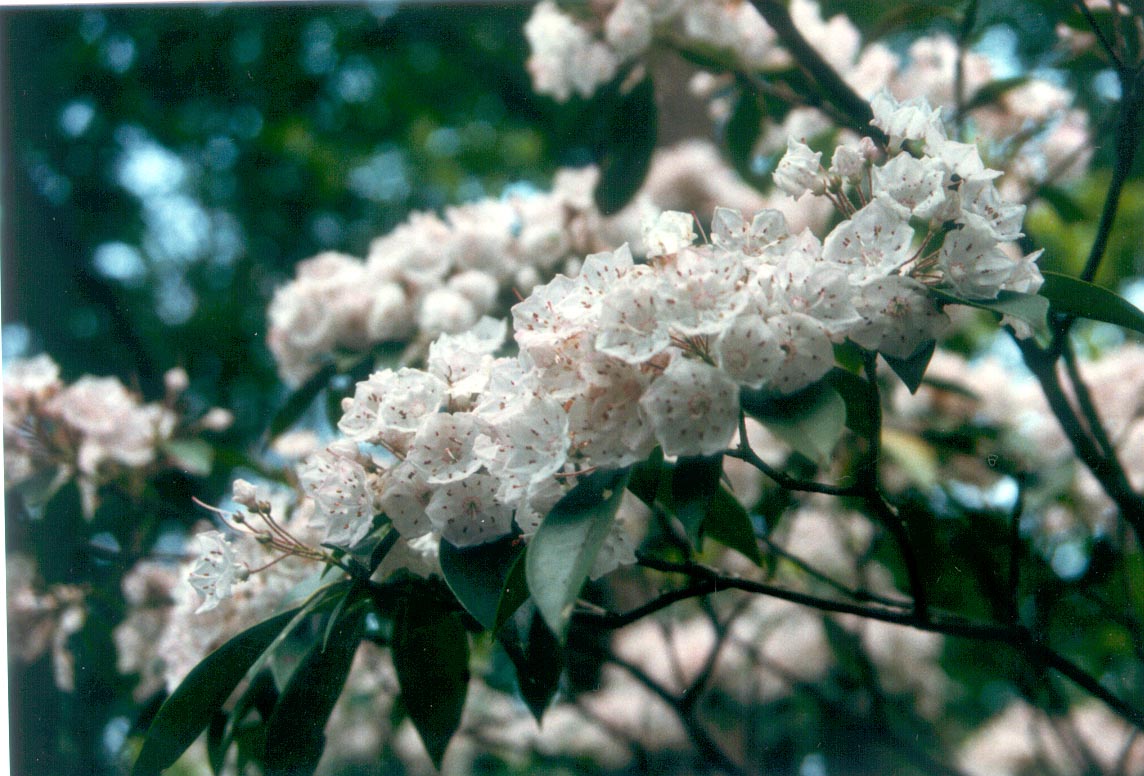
point(216, 570)
point(628, 28)
point(405, 497)
point(565, 58)
point(748, 350)
point(388, 406)
point(910, 120)
point(668, 233)
point(916, 184)
point(800, 170)
point(468, 512)
point(898, 316)
point(973, 262)
point(631, 327)
point(731, 232)
point(806, 349)
point(693, 407)
point(442, 448)
point(343, 492)
point(874, 242)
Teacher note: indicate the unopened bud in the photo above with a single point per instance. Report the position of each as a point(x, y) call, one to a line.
point(176, 380)
point(217, 419)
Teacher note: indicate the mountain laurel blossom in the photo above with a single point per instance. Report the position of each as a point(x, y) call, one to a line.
point(626, 356)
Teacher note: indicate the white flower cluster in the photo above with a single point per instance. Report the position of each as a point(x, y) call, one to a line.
point(1031, 132)
point(93, 428)
point(627, 356)
point(435, 275)
point(569, 57)
point(430, 275)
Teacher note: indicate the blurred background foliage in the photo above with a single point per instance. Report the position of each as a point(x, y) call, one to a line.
point(165, 169)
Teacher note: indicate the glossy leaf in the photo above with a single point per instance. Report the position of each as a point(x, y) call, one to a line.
point(300, 400)
point(1033, 309)
point(295, 735)
point(810, 421)
point(189, 709)
point(860, 415)
point(647, 477)
point(911, 370)
point(565, 546)
point(431, 656)
point(730, 525)
point(1076, 297)
point(694, 481)
point(477, 575)
point(537, 657)
point(629, 140)
point(514, 594)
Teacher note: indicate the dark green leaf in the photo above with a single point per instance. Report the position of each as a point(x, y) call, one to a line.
point(628, 145)
point(477, 575)
point(911, 370)
point(295, 735)
point(261, 694)
point(860, 415)
point(565, 546)
point(189, 709)
point(431, 655)
point(537, 657)
point(730, 525)
point(514, 594)
point(1076, 297)
point(299, 401)
point(646, 477)
point(1033, 309)
point(694, 481)
point(743, 133)
point(810, 421)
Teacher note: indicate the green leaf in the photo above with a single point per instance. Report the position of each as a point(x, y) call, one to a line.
point(743, 129)
point(730, 525)
point(261, 694)
point(1033, 309)
point(190, 707)
point(629, 140)
point(860, 414)
point(537, 657)
point(911, 370)
point(646, 477)
point(810, 421)
point(514, 594)
point(194, 456)
point(431, 655)
point(295, 734)
point(478, 575)
point(565, 546)
point(694, 481)
point(300, 400)
point(1076, 297)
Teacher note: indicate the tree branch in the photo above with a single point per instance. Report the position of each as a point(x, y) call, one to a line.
point(837, 91)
